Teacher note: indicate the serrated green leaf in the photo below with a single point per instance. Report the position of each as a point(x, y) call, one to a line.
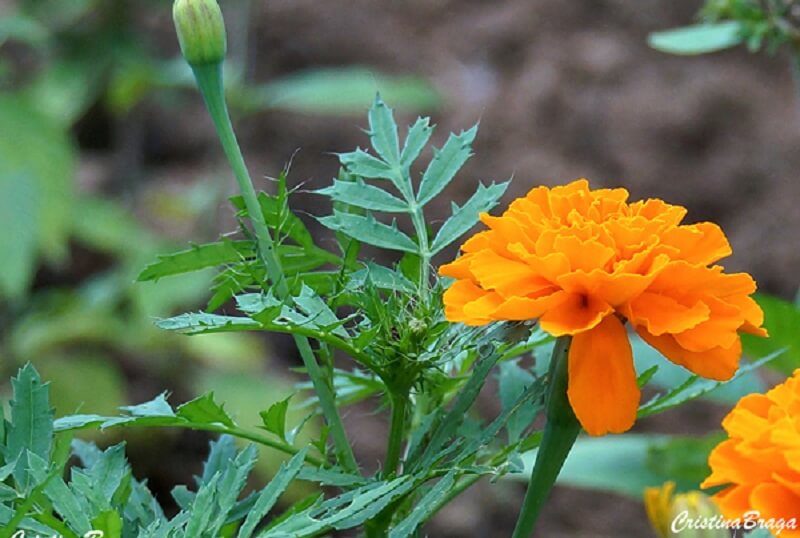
point(464, 218)
point(67, 504)
point(380, 277)
point(204, 410)
point(370, 231)
point(383, 132)
point(31, 426)
point(109, 471)
point(201, 323)
point(418, 136)
point(274, 418)
point(202, 508)
point(222, 452)
point(360, 194)
point(270, 494)
point(698, 39)
point(445, 164)
point(424, 508)
point(230, 486)
point(198, 257)
point(362, 164)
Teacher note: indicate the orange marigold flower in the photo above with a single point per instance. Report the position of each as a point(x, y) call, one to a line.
point(583, 261)
point(760, 460)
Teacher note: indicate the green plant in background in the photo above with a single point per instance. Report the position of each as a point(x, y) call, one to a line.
point(88, 56)
point(767, 24)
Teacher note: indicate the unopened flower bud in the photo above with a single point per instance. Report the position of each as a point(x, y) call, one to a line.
point(685, 515)
point(201, 31)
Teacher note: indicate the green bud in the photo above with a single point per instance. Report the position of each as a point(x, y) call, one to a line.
point(201, 31)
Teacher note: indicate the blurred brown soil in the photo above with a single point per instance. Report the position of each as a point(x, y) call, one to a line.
point(562, 90)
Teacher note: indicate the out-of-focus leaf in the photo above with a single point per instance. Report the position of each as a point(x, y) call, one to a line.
point(342, 91)
point(695, 387)
point(37, 151)
point(669, 375)
point(22, 28)
point(65, 90)
point(19, 205)
point(627, 464)
point(616, 463)
point(513, 381)
point(83, 383)
point(782, 320)
point(697, 39)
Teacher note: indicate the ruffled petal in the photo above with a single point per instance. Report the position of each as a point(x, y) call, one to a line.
point(662, 314)
point(716, 363)
point(602, 381)
point(577, 313)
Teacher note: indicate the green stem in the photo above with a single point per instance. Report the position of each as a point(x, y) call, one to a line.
point(418, 219)
point(396, 433)
point(209, 80)
point(560, 432)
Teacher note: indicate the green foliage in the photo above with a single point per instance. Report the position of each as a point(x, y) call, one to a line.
point(727, 23)
point(36, 167)
point(698, 39)
point(627, 464)
point(781, 319)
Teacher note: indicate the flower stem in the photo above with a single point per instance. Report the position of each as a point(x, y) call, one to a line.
point(560, 432)
point(396, 433)
point(209, 80)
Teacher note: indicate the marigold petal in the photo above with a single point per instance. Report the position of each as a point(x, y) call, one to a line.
point(602, 381)
point(701, 243)
point(507, 277)
point(774, 501)
point(719, 330)
point(662, 314)
point(577, 313)
point(458, 268)
point(734, 501)
point(525, 308)
point(583, 255)
point(716, 363)
point(457, 296)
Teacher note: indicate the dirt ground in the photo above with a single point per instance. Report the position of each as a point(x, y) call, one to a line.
point(562, 90)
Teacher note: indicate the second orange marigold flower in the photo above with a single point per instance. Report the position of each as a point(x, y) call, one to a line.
point(583, 262)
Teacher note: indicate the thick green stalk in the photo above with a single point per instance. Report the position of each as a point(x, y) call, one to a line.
point(560, 432)
point(209, 80)
point(396, 433)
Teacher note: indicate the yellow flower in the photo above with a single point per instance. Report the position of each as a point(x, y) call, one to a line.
point(583, 262)
point(686, 515)
point(760, 461)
